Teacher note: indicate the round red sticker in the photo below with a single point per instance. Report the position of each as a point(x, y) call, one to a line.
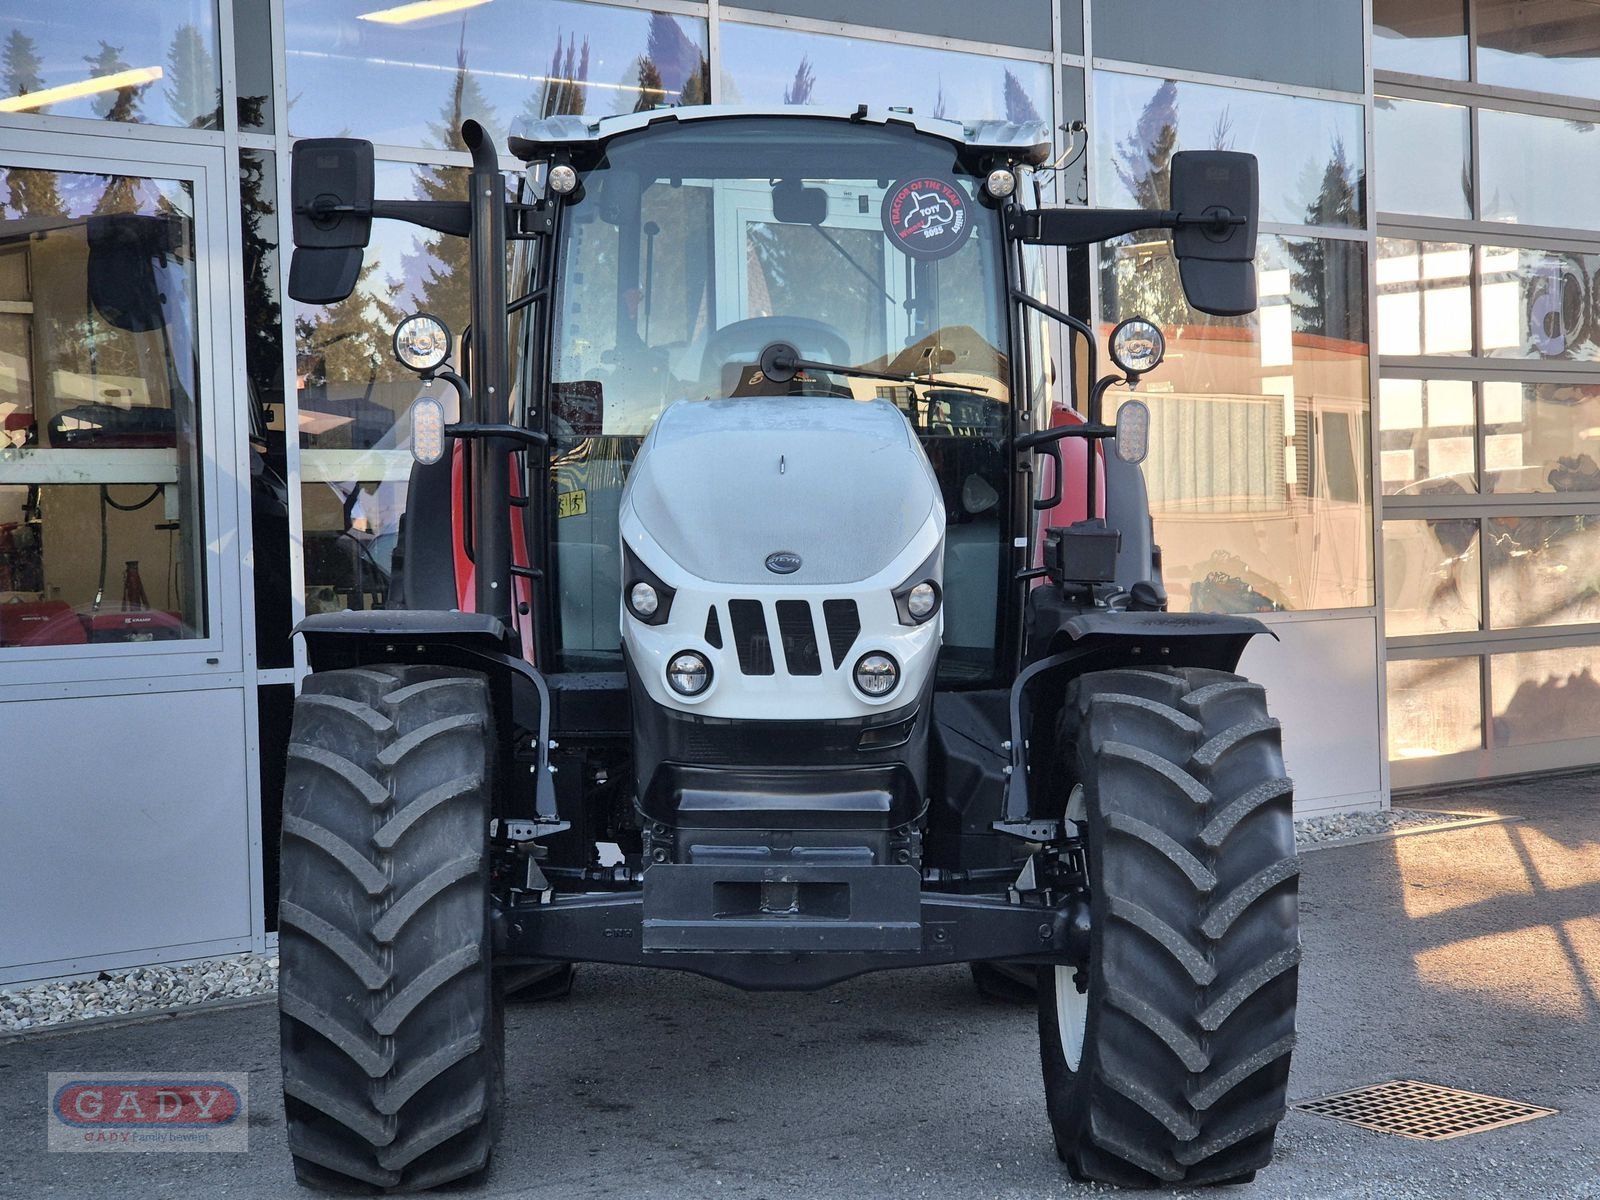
point(927, 217)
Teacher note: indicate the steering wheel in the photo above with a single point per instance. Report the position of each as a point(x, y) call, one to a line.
point(743, 342)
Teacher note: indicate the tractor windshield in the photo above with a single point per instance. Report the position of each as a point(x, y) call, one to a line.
point(688, 249)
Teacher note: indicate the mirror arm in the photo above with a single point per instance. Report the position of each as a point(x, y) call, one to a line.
point(1073, 225)
point(442, 216)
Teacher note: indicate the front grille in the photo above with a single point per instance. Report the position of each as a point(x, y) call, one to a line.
point(844, 626)
point(750, 636)
point(799, 638)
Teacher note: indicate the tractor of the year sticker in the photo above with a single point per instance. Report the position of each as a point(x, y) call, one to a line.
point(927, 217)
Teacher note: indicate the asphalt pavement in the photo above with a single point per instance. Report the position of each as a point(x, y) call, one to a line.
point(1467, 957)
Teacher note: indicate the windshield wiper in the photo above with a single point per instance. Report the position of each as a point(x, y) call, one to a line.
point(780, 362)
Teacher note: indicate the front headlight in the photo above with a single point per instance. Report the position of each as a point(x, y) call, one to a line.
point(643, 600)
point(689, 673)
point(876, 674)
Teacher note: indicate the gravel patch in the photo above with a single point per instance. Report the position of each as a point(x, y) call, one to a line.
point(136, 990)
point(1339, 826)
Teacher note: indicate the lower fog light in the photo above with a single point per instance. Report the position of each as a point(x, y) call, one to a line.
point(876, 674)
point(689, 673)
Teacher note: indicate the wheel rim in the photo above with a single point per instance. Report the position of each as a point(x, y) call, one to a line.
point(1072, 1006)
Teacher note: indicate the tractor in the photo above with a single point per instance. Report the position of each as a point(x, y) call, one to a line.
point(758, 613)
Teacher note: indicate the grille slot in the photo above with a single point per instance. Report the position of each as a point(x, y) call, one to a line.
point(750, 636)
point(844, 626)
point(799, 638)
point(713, 628)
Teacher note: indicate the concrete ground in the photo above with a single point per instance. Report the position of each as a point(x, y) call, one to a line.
point(1469, 958)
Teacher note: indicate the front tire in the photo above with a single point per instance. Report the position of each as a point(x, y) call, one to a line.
point(389, 1022)
point(1167, 1059)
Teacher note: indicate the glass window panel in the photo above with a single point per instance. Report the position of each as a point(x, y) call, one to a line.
point(1435, 707)
point(1430, 577)
point(1311, 154)
point(252, 41)
point(1539, 170)
point(263, 354)
point(1538, 303)
point(761, 65)
point(1543, 570)
point(1309, 42)
point(100, 536)
point(1015, 23)
point(1541, 437)
point(347, 65)
point(355, 459)
point(1072, 26)
point(1423, 158)
point(149, 62)
point(1551, 46)
point(1258, 460)
point(1420, 37)
point(1424, 297)
point(1545, 695)
point(1427, 437)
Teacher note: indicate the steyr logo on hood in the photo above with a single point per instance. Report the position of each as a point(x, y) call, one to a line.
point(783, 563)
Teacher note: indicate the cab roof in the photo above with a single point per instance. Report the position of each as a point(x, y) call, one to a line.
point(1027, 142)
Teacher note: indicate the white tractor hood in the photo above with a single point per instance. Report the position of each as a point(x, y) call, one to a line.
point(721, 485)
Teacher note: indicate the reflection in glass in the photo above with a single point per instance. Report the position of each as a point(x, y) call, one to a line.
point(1424, 297)
point(1543, 570)
point(1430, 576)
point(1258, 471)
point(148, 62)
point(1435, 707)
point(1541, 437)
point(252, 39)
point(1420, 37)
point(347, 74)
point(1538, 303)
point(1551, 46)
point(762, 65)
point(1309, 42)
point(355, 459)
point(1072, 26)
point(264, 404)
point(1310, 152)
point(100, 537)
point(1545, 695)
point(1423, 159)
point(1427, 437)
point(1539, 170)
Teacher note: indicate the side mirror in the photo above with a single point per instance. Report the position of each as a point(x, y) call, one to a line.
point(1215, 193)
point(330, 190)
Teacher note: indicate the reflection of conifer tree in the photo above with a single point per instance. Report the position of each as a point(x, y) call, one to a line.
point(1327, 276)
point(30, 193)
point(123, 104)
point(192, 90)
point(1019, 109)
point(651, 93)
point(263, 359)
point(22, 65)
point(1222, 131)
point(1144, 160)
point(1138, 281)
point(941, 107)
point(799, 92)
point(564, 88)
point(681, 73)
point(349, 341)
point(444, 288)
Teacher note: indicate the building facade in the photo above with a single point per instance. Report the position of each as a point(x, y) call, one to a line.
point(1392, 461)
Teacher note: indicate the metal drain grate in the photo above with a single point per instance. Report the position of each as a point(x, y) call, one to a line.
point(1424, 1111)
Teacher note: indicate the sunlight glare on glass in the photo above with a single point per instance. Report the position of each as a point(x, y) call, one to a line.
point(421, 10)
